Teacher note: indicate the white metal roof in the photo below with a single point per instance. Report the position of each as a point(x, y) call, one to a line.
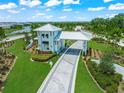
point(74, 36)
point(48, 27)
point(86, 33)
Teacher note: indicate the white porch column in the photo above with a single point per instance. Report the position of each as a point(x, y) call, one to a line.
point(84, 47)
point(39, 40)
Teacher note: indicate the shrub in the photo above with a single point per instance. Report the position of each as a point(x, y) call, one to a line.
point(42, 57)
point(103, 80)
point(106, 65)
point(92, 67)
point(107, 81)
point(117, 78)
point(112, 89)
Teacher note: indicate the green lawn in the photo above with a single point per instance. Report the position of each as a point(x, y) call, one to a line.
point(84, 83)
point(100, 46)
point(104, 47)
point(9, 30)
point(26, 76)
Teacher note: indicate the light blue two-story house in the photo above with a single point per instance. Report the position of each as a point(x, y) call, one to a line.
point(48, 38)
point(52, 38)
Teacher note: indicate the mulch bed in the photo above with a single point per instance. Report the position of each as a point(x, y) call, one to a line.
point(92, 53)
point(6, 63)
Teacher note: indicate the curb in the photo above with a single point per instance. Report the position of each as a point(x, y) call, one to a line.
point(75, 74)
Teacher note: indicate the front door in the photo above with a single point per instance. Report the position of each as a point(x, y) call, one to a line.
point(45, 46)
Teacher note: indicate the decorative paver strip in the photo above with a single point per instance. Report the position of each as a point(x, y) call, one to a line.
point(63, 75)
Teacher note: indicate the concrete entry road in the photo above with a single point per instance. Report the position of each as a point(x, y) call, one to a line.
point(61, 78)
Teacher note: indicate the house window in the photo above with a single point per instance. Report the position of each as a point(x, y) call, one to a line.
point(47, 35)
point(43, 35)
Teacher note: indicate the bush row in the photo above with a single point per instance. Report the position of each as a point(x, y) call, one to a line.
point(43, 59)
point(107, 82)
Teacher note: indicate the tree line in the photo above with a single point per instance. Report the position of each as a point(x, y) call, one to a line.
point(112, 28)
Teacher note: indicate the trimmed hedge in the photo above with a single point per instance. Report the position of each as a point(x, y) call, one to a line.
point(42, 57)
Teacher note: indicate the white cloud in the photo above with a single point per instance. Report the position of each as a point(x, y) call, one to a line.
point(48, 9)
point(71, 2)
point(77, 12)
point(67, 9)
point(41, 14)
point(106, 1)
point(107, 15)
point(96, 9)
point(81, 18)
point(16, 11)
point(38, 15)
point(62, 17)
point(23, 9)
point(48, 17)
point(30, 3)
point(8, 6)
point(112, 15)
point(118, 6)
point(13, 11)
point(53, 3)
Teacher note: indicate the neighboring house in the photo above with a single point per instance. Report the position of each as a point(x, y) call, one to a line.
point(52, 38)
point(48, 38)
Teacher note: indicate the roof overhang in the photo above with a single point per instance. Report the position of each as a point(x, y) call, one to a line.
point(48, 27)
point(74, 36)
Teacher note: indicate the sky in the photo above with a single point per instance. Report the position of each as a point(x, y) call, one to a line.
point(58, 10)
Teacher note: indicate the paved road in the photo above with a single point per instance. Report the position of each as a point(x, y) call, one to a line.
point(62, 77)
point(12, 38)
point(25, 29)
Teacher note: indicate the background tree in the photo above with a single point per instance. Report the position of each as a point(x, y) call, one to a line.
point(112, 28)
point(106, 65)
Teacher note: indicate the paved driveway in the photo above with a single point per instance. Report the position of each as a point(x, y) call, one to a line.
point(62, 77)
